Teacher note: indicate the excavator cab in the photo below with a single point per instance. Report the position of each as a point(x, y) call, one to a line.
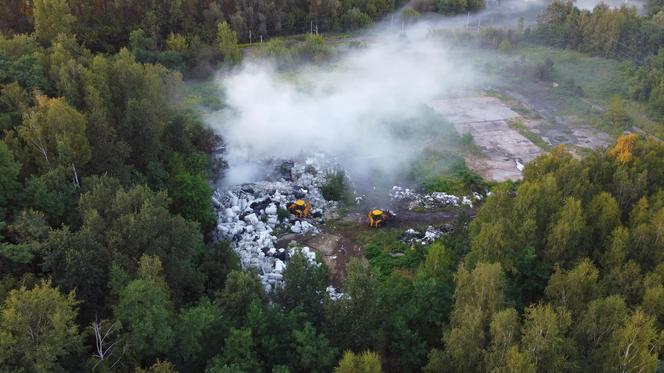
point(377, 218)
point(300, 208)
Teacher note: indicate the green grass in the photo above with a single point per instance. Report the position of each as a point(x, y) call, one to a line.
point(445, 171)
point(525, 132)
point(336, 188)
point(600, 78)
point(205, 94)
point(638, 114)
point(515, 105)
point(377, 246)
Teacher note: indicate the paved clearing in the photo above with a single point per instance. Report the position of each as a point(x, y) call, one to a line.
point(552, 126)
point(486, 119)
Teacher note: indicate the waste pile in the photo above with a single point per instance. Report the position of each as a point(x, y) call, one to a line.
point(413, 237)
point(414, 199)
point(251, 215)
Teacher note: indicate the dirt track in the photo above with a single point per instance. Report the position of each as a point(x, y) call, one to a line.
point(339, 241)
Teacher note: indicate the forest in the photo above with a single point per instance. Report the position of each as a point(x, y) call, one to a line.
point(108, 256)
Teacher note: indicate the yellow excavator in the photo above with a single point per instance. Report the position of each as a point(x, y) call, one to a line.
point(377, 217)
point(300, 208)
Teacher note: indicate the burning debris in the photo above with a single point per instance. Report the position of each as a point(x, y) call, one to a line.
point(251, 214)
point(432, 200)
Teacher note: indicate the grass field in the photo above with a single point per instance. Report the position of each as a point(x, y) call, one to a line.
point(638, 114)
point(203, 94)
point(600, 78)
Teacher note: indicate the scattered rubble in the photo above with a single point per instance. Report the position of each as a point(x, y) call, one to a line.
point(334, 293)
point(431, 200)
point(413, 237)
point(249, 214)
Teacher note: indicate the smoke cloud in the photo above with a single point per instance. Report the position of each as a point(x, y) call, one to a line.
point(348, 108)
point(345, 109)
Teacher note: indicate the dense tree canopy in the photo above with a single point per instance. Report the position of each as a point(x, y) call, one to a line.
point(107, 255)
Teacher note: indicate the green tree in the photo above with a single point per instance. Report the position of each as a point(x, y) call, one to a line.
point(177, 43)
point(615, 114)
point(55, 132)
point(161, 366)
point(355, 19)
point(216, 262)
point(353, 322)
point(505, 46)
point(38, 332)
point(227, 41)
point(304, 286)
point(410, 15)
point(145, 309)
point(191, 196)
point(366, 362)
point(566, 239)
point(14, 102)
point(432, 291)
point(272, 333)
point(653, 302)
point(478, 296)
point(452, 6)
point(239, 351)
point(26, 235)
point(198, 331)
point(314, 353)
point(574, 289)
point(603, 215)
point(517, 361)
point(544, 338)
point(466, 340)
point(77, 261)
point(594, 331)
point(504, 332)
point(52, 17)
point(635, 346)
point(136, 222)
point(616, 252)
point(483, 288)
point(242, 288)
point(9, 185)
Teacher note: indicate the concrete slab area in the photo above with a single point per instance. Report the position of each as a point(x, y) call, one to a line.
point(485, 118)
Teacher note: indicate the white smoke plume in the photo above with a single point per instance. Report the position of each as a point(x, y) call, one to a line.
point(343, 109)
point(346, 108)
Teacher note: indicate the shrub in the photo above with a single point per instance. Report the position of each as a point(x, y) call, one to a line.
point(335, 188)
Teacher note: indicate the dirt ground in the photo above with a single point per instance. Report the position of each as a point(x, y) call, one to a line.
point(486, 119)
point(335, 246)
point(338, 242)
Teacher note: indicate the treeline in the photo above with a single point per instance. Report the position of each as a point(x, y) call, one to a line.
point(618, 33)
point(449, 7)
point(106, 262)
point(105, 26)
point(105, 206)
point(565, 272)
point(607, 32)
